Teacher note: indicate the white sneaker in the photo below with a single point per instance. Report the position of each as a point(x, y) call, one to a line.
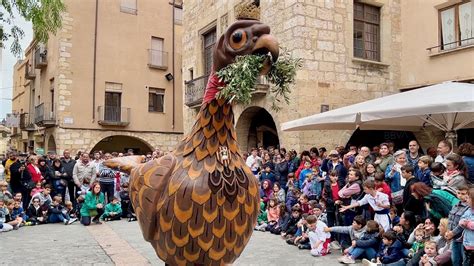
point(367, 262)
point(334, 245)
point(348, 260)
point(72, 220)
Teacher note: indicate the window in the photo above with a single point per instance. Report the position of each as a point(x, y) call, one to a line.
point(209, 42)
point(157, 56)
point(457, 25)
point(156, 100)
point(178, 15)
point(112, 110)
point(51, 88)
point(128, 6)
point(366, 31)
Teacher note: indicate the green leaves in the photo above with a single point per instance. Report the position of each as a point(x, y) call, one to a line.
point(45, 16)
point(241, 76)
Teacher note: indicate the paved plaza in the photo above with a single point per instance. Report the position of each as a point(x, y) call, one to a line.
point(121, 243)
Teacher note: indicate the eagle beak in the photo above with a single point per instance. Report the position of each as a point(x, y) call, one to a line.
point(267, 44)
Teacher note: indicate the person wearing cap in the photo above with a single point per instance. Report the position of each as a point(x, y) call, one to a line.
point(334, 163)
point(20, 178)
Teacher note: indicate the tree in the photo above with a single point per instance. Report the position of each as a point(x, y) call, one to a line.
point(45, 16)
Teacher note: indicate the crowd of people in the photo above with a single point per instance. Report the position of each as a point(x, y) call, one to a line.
point(382, 206)
point(385, 206)
point(51, 189)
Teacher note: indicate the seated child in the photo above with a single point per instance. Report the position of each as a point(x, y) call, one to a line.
point(283, 219)
point(319, 239)
point(303, 201)
point(262, 218)
point(113, 210)
point(267, 174)
point(394, 218)
point(419, 242)
point(18, 198)
point(37, 189)
point(57, 212)
point(273, 214)
point(19, 212)
point(355, 231)
point(4, 227)
point(36, 215)
point(291, 181)
point(14, 221)
point(70, 209)
point(301, 238)
point(4, 193)
point(291, 227)
point(366, 246)
point(430, 253)
point(390, 251)
point(292, 198)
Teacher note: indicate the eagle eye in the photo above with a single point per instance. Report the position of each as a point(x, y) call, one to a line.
point(237, 39)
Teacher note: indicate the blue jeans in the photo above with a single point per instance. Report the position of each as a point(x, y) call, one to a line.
point(58, 217)
point(368, 253)
point(397, 263)
point(457, 253)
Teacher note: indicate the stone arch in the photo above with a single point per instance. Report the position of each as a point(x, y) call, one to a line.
point(51, 145)
point(256, 127)
point(120, 143)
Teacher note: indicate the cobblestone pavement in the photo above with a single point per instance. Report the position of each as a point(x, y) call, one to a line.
point(121, 243)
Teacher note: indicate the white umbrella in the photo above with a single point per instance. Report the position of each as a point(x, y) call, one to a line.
point(448, 106)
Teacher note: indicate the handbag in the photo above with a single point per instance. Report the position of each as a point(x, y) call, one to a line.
point(397, 197)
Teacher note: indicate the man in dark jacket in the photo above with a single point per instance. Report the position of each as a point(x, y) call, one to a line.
point(68, 165)
point(20, 179)
point(410, 203)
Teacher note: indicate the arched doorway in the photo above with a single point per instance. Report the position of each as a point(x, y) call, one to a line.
point(255, 128)
point(51, 144)
point(373, 138)
point(122, 144)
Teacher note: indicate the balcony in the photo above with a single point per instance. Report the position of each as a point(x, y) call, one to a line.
point(26, 122)
point(114, 116)
point(157, 59)
point(45, 116)
point(29, 71)
point(194, 91)
point(40, 57)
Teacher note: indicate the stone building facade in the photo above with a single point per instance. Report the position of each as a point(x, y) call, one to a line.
point(321, 33)
point(326, 34)
point(110, 80)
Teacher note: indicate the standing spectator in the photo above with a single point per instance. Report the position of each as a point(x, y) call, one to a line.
point(12, 158)
point(432, 152)
point(331, 196)
point(50, 159)
point(444, 149)
point(281, 169)
point(93, 205)
point(335, 164)
point(455, 231)
point(106, 178)
point(97, 161)
point(424, 173)
point(384, 158)
point(455, 171)
point(68, 164)
point(45, 170)
point(393, 172)
point(467, 222)
point(412, 154)
point(59, 181)
point(34, 170)
point(82, 170)
point(466, 150)
point(365, 152)
point(411, 202)
point(254, 162)
point(21, 179)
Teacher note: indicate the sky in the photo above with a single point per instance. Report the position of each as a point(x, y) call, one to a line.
point(7, 61)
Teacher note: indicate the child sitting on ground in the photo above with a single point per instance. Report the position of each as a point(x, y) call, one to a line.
point(292, 198)
point(4, 193)
point(70, 209)
point(4, 226)
point(355, 231)
point(291, 181)
point(303, 202)
point(430, 253)
point(394, 218)
point(113, 210)
point(390, 251)
point(301, 239)
point(57, 212)
point(367, 244)
point(262, 218)
point(19, 212)
point(273, 213)
point(291, 227)
point(36, 215)
point(37, 189)
point(319, 239)
point(14, 221)
point(419, 242)
point(283, 219)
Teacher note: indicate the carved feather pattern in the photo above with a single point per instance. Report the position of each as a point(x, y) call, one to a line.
point(192, 208)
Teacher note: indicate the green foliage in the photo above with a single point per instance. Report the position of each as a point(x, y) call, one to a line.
point(45, 16)
point(241, 76)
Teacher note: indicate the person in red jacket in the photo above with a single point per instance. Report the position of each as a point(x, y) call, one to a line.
point(34, 170)
point(381, 186)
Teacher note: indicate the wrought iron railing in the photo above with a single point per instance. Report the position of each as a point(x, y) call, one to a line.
point(157, 59)
point(45, 115)
point(114, 115)
point(194, 91)
point(455, 44)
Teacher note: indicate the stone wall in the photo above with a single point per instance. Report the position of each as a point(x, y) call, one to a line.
point(321, 33)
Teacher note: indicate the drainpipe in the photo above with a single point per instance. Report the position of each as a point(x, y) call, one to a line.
point(174, 77)
point(95, 60)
